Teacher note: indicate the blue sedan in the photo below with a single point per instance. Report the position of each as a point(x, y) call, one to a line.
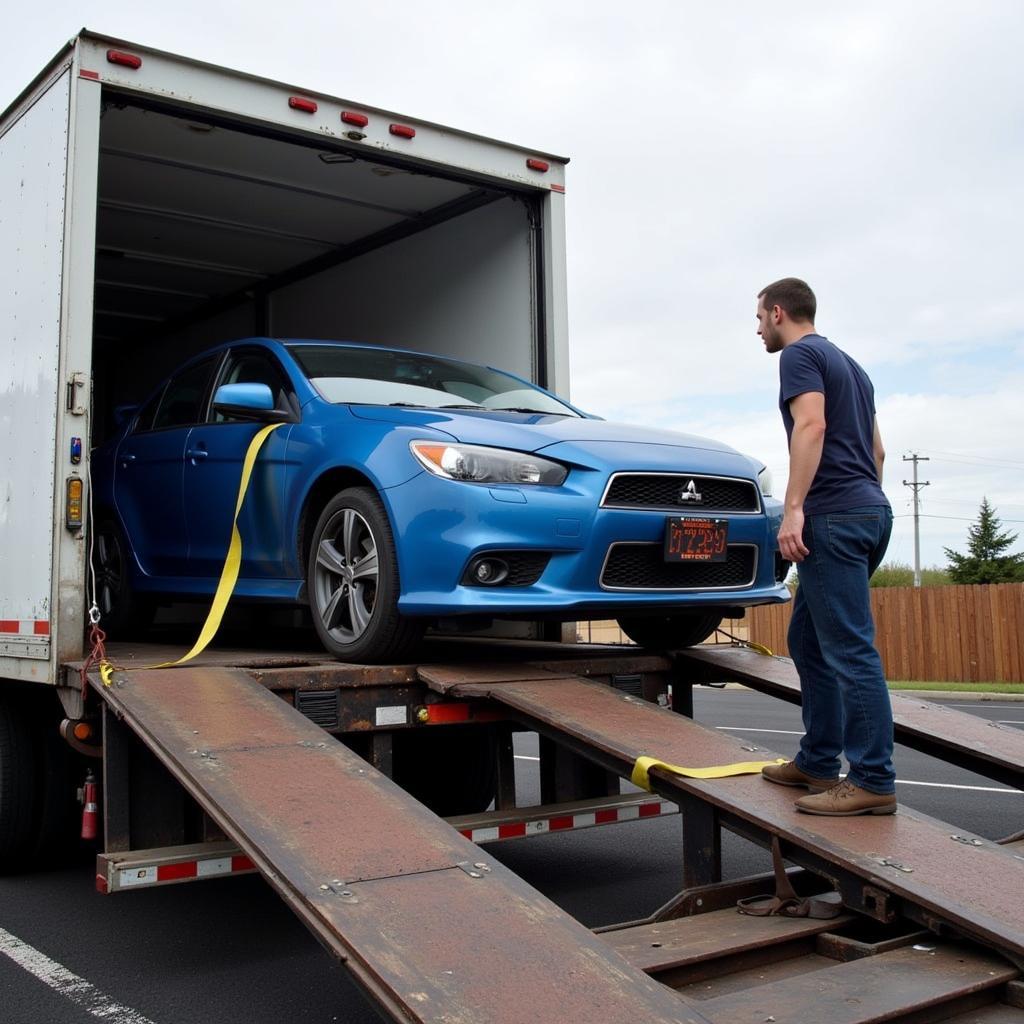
point(402, 488)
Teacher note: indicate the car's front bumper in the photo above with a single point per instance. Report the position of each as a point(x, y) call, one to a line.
point(441, 525)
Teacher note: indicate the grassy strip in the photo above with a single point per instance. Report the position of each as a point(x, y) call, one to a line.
point(914, 684)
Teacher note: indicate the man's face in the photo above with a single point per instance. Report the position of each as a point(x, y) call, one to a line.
point(767, 328)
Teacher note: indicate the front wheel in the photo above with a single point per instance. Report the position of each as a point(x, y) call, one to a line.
point(669, 632)
point(352, 580)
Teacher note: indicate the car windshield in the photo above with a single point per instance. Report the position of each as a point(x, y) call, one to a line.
point(366, 376)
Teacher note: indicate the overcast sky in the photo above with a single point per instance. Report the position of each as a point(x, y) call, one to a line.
point(877, 150)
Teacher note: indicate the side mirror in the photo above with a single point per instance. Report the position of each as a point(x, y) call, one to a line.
point(250, 401)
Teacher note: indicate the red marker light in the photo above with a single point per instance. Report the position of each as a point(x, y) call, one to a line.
point(359, 120)
point(127, 60)
point(538, 165)
point(299, 103)
point(402, 131)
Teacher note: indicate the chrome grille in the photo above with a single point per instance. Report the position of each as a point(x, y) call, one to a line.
point(662, 491)
point(643, 567)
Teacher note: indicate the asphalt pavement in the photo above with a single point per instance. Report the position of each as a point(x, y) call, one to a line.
point(225, 951)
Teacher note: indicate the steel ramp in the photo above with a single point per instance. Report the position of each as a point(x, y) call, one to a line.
point(907, 861)
point(973, 743)
point(433, 929)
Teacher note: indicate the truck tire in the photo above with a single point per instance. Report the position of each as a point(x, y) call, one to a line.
point(123, 612)
point(19, 779)
point(451, 769)
point(352, 582)
point(670, 632)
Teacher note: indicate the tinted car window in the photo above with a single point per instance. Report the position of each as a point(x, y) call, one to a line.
point(182, 402)
point(367, 376)
point(144, 421)
point(253, 367)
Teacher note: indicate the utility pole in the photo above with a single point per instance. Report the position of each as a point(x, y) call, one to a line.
point(915, 459)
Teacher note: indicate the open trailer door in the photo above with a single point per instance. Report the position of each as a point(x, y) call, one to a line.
point(48, 141)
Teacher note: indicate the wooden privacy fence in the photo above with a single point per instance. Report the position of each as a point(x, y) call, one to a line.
point(949, 634)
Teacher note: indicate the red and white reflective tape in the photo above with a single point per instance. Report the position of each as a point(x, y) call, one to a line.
point(138, 875)
point(566, 822)
point(25, 627)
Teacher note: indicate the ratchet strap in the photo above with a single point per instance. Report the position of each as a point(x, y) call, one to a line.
point(722, 771)
point(228, 574)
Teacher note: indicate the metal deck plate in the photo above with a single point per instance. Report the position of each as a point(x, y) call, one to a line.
point(979, 889)
point(385, 885)
point(973, 743)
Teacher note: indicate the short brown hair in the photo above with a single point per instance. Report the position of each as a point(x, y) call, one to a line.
point(793, 295)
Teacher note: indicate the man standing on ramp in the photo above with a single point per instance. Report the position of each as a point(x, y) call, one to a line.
point(835, 528)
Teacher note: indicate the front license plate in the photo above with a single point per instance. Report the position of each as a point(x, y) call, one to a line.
point(696, 540)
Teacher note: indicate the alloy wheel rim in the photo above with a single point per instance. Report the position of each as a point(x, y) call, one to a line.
point(346, 576)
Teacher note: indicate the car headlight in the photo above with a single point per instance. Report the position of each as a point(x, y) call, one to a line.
point(764, 480)
point(475, 464)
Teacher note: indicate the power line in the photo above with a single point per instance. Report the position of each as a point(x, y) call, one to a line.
point(972, 460)
point(957, 519)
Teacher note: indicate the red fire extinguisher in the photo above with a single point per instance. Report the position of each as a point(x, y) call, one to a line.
point(90, 812)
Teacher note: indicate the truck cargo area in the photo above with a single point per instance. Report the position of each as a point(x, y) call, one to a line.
point(208, 230)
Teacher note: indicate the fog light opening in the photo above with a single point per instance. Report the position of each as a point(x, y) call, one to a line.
point(488, 572)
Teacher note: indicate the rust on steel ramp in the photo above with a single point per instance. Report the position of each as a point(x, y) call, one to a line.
point(971, 742)
point(978, 889)
point(432, 928)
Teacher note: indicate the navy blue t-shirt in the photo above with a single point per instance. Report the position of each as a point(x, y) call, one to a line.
point(847, 477)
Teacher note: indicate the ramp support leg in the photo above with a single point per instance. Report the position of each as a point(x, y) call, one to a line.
point(116, 788)
point(702, 843)
point(505, 797)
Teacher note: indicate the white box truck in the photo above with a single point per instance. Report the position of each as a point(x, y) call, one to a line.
point(151, 206)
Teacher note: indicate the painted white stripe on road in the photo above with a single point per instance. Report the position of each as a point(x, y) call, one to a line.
point(65, 983)
point(525, 757)
point(980, 704)
point(781, 732)
point(953, 785)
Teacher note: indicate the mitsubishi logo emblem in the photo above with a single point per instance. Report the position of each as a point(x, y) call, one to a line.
point(690, 495)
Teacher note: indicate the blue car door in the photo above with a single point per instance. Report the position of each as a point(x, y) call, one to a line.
point(148, 473)
point(213, 467)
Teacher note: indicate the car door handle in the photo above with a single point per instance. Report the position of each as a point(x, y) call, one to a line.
point(196, 453)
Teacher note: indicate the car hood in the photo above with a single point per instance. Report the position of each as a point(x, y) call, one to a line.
point(534, 432)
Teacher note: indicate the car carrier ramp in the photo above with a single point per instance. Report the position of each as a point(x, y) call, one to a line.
point(967, 741)
point(908, 862)
point(433, 929)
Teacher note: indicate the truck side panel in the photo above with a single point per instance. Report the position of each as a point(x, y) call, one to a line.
point(33, 179)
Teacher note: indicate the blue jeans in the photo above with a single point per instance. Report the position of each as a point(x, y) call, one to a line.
point(846, 703)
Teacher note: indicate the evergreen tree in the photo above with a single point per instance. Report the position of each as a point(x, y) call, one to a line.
point(985, 561)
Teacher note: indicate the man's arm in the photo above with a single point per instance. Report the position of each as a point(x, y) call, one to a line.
point(879, 452)
point(805, 447)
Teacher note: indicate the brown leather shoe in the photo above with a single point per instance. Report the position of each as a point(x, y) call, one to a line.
point(847, 799)
point(789, 775)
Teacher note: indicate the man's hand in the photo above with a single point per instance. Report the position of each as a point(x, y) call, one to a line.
point(791, 536)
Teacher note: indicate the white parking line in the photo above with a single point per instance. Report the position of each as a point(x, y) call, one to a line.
point(781, 732)
point(953, 785)
point(1010, 721)
point(525, 757)
point(981, 704)
point(65, 983)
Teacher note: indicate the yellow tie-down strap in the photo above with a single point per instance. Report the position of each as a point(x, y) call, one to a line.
point(720, 771)
point(228, 575)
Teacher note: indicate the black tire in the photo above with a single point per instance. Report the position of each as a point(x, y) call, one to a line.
point(451, 769)
point(123, 612)
point(671, 632)
point(19, 782)
point(58, 814)
point(353, 598)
